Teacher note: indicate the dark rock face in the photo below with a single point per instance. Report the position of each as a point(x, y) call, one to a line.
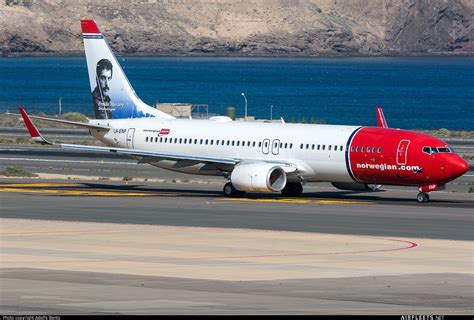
point(243, 27)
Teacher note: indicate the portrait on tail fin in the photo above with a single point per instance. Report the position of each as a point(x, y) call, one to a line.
point(100, 95)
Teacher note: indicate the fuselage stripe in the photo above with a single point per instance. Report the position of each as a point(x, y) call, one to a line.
point(348, 165)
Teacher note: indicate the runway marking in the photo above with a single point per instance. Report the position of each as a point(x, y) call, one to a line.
point(85, 192)
point(299, 201)
point(409, 245)
point(8, 185)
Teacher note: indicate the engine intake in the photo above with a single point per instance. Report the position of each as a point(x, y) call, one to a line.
point(259, 177)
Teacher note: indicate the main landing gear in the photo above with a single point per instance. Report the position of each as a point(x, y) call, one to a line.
point(422, 197)
point(292, 189)
point(231, 192)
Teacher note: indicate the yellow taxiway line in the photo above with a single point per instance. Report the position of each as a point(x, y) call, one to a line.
point(82, 192)
point(300, 201)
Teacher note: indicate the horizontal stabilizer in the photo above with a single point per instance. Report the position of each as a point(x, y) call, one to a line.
point(72, 123)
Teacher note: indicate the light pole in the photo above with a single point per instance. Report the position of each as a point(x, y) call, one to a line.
point(60, 106)
point(271, 112)
point(243, 95)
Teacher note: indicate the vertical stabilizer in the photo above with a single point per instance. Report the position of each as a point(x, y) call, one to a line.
point(112, 95)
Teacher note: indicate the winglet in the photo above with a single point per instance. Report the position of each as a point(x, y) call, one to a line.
point(35, 134)
point(381, 118)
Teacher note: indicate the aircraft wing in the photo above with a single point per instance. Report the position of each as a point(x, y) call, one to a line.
point(149, 154)
point(38, 137)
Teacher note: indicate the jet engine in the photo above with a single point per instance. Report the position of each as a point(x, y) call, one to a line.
point(259, 177)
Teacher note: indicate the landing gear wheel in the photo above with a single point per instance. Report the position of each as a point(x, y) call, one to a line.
point(292, 189)
point(422, 197)
point(230, 191)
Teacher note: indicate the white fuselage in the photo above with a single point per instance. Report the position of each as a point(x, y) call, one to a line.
point(322, 157)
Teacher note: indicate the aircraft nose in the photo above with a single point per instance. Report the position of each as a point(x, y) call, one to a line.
point(458, 166)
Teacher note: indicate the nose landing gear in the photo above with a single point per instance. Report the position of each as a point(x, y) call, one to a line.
point(422, 197)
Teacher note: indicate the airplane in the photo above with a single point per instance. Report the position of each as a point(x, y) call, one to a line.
point(253, 156)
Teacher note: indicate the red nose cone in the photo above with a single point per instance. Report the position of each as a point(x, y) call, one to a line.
point(459, 167)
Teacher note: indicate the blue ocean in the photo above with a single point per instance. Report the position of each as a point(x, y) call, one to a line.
point(415, 93)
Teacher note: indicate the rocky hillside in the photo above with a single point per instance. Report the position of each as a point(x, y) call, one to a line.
point(242, 27)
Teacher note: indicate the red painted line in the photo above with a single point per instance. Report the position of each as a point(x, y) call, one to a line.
point(410, 245)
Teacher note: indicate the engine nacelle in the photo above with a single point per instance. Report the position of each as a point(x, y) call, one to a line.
point(352, 186)
point(260, 177)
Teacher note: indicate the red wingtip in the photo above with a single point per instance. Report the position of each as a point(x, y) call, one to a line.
point(29, 125)
point(89, 26)
point(381, 118)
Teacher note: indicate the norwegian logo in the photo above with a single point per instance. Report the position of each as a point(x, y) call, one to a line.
point(164, 131)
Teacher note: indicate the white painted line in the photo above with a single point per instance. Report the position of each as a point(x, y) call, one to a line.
point(72, 161)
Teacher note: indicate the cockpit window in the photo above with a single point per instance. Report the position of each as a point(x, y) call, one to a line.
point(433, 150)
point(444, 150)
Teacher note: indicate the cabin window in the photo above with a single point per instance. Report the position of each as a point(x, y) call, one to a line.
point(207, 141)
point(380, 150)
point(301, 146)
point(352, 149)
point(374, 149)
point(253, 144)
point(341, 148)
point(237, 144)
point(357, 149)
point(329, 147)
point(324, 146)
point(259, 144)
point(362, 149)
point(233, 142)
point(368, 149)
point(146, 139)
point(319, 147)
point(291, 145)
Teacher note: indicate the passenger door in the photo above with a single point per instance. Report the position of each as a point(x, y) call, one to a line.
point(276, 146)
point(130, 134)
point(402, 152)
point(266, 146)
